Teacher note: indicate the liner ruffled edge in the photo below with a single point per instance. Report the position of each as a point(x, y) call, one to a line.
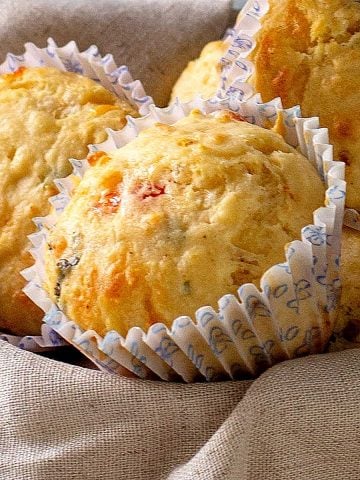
point(249, 333)
point(237, 68)
point(48, 340)
point(89, 63)
point(101, 69)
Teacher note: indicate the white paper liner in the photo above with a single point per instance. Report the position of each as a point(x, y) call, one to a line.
point(237, 68)
point(48, 340)
point(291, 315)
point(88, 63)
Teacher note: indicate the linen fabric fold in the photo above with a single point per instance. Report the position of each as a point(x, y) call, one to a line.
point(61, 421)
point(299, 419)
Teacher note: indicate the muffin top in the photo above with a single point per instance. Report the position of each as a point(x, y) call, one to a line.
point(46, 117)
point(175, 219)
point(307, 53)
point(201, 76)
point(349, 308)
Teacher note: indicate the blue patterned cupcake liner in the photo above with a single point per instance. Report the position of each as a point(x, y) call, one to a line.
point(237, 69)
point(291, 315)
point(101, 69)
point(89, 63)
point(48, 340)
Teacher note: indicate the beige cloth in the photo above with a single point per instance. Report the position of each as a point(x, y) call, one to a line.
point(155, 38)
point(62, 422)
point(301, 419)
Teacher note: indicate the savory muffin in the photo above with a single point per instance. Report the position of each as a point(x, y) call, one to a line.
point(201, 75)
point(46, 117)
point(175, 219)
point(308, 53)
point(349, 308)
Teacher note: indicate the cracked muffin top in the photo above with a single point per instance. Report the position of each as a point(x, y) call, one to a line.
point(201, 75)
point(46, 117)
point(308, 53)
point(349, 307)
point(175, 219)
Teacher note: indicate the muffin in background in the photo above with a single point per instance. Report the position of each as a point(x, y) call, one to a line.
point(311, 55)
point(201, 75)
point(349, 307)
point(47, 116)
point(308, 53)
point(175, 219)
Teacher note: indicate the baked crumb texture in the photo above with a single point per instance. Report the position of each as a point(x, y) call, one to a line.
point(308, 53)
point(349, 309)
point(202, 75)
point(46, 117)
point(175, 219)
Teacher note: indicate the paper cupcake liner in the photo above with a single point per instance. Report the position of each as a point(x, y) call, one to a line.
point(236, 68)
point(88, 63)
point(291, 315)
point(48, 340)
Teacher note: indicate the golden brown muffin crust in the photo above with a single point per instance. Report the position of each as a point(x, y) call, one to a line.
point(46, 118)
point(202, 75)
point(177, 218)
point(349, 310)
point(308, 53)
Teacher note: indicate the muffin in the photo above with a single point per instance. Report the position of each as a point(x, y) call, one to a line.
point(349, 308)
point(308, 53)
point(47, 116)
point(175, 219)
point(201, 75)
point(311, 56)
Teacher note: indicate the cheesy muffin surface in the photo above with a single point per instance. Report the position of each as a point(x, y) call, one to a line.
point(175, 219)
point(307, 53)
point(46, 118)
point(202, 75)
point(349, 309)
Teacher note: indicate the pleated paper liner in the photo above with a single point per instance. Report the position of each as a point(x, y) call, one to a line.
point(101, 69)
point(48, 340)
point(291, 315)
point(237, 68)
point(89, 63)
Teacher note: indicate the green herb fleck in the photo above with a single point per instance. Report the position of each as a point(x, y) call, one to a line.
point(64, 265)
point(186, 288)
